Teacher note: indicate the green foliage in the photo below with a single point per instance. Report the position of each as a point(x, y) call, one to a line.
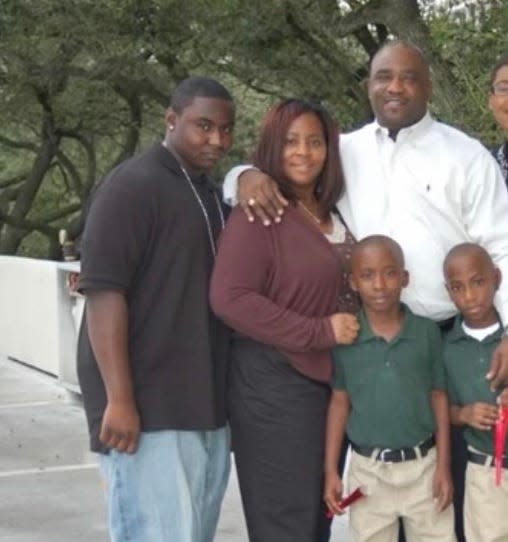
point(84, 83)
point(470, 49)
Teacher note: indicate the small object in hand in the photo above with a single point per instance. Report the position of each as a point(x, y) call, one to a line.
point(346, 501)
point(358, 493)
point(500, 428)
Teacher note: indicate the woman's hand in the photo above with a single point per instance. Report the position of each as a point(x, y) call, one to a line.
point(345, 327)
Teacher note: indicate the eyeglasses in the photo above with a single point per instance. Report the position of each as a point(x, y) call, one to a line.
point(500, 89)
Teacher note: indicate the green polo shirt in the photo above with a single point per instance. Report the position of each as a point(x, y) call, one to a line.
point(467, 361)
point(389, 383)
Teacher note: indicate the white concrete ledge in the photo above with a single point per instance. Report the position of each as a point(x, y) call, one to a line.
point(39, 318)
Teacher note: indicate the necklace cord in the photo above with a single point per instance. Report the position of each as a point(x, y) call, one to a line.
point(204, 211)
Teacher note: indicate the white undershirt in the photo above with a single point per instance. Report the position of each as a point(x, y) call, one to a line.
point(480, 333)
point(338, 233)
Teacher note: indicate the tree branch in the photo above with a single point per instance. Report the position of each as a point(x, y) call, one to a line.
point(75, 177)
point(18, 144)
point(14, 180)
point(25, 224)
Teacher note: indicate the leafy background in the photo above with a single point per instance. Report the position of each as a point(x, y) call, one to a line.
point(84, 84)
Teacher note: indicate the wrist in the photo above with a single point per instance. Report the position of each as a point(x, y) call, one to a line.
point(462, 417)
point(330, 469)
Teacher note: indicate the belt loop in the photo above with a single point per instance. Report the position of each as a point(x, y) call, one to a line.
point(418, 452)
point(374, 455)
point(489, 460)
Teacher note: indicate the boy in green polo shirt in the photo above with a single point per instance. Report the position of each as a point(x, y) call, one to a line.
point(389, 390)
point(472, 281)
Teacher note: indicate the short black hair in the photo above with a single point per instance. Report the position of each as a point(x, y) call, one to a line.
point(380, 240)
point(467, 248)
point(197, 87)
point(390, 44)
point(502, 61)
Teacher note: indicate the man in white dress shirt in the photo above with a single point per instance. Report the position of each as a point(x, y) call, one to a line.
point(408, 176)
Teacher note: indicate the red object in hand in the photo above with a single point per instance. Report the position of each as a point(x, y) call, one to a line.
point(351, 498)
point(358, 493)
point(500, 429)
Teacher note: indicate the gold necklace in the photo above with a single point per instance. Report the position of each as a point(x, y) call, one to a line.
point(306, 209)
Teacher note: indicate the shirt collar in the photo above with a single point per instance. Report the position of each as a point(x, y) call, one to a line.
point(407, 331)
point(502, 158)
point(457, 333)
point(417, 128)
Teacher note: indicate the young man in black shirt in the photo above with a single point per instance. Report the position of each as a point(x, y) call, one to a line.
point(152, 357)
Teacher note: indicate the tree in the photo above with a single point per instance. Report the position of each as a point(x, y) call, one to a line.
point(83, 83)
point(87, 94)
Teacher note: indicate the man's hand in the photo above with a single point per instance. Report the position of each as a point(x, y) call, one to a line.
point(442, 488)
point(345, 327)
point(502, 399)
point(478, 415)
point(332, 493)
point(120, 427)
point(498, 372)
point(259, 195)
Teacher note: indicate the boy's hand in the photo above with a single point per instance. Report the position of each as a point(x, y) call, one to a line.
point(258, 194)
point(333, 493)
point(479, 415)
point(442, 488)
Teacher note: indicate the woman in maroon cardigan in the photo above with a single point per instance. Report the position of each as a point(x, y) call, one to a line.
point(284, 290)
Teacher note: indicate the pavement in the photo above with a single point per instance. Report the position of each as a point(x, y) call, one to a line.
point(50, 489)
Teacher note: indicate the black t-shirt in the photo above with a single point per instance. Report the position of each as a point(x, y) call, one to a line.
point(146, 235)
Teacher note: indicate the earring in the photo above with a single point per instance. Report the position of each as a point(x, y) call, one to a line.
point(171, 127)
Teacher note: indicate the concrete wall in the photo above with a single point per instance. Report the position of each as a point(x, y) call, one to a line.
point(38, 316)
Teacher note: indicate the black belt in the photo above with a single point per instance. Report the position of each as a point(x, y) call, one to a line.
point(388, 455)
point(483, 459)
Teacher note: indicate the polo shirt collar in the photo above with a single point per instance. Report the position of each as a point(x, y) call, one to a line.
point(417, 128)
point(406, 332)
point(457, 333)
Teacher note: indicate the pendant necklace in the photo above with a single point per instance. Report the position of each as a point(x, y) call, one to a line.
point(338, 233)
point(203, 209)
point(306, 209)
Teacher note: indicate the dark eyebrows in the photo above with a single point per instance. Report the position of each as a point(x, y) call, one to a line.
point(210, 121)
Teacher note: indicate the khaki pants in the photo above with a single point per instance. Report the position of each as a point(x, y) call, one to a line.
point(485, 505)
point(397, 490)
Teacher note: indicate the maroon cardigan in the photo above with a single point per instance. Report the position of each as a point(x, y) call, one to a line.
point(278, 285)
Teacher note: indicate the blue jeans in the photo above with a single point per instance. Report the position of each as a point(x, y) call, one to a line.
point(170, 490)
